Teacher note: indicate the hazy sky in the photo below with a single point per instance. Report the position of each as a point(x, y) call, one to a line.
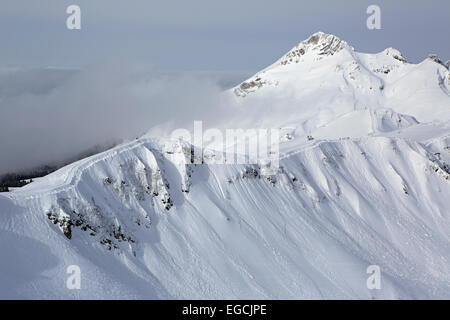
point(230, 35)
point(132, 66)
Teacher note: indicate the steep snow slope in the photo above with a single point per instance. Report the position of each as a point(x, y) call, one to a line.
point(371, 186)
point(323, 78)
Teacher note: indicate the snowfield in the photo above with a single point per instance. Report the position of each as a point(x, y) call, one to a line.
point(370, 186)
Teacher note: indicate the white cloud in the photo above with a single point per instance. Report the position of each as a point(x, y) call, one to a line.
point(51, 115)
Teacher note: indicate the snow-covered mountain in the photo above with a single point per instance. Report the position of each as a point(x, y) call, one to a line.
point(364, 179)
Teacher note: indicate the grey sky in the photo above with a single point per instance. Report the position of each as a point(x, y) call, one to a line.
point(130, 57)
point(210, 34)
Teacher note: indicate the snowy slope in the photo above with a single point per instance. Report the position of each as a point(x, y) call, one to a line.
point(372, 187)
point(323, 78)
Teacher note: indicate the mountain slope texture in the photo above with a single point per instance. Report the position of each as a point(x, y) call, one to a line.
point(363, 179)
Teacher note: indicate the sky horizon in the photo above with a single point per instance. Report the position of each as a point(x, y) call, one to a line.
point(129, 57)
point(206, 35)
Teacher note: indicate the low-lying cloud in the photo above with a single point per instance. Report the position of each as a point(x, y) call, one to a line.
point(48, 116)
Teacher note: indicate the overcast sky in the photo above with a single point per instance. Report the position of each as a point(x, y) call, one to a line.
point(230, 35)
point(137, 64)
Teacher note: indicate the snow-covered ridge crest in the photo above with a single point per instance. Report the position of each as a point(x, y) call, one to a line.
point(326, 72)
point(150, 213)
point(316, 47)
point(394, 53)
point(320, 44)
point(364, 179)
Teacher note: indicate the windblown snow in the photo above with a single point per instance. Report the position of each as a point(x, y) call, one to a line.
point(364, 179)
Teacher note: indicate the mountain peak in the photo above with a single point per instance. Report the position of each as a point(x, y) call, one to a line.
point(394, 53)
point(433, 57)
point(320, 37)
point(322, 44)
